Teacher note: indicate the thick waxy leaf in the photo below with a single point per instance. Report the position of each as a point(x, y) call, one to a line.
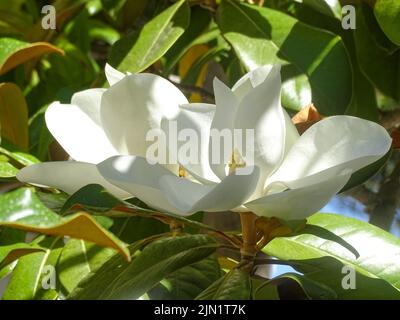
point(12, 252)
point(200, 20)
point(13, 115)
point(138, 51)
point(362, 175)
point(331, 8)
point(22, 158)
point(15, 52)
point(94, 198)
point(118, 279)
point(345, 282)
point(78, 258)
point(278, 38)
point(379, 66)
point(188, 282)
point(312, 289)
point(387, 12)
point(22, 209)
point(7, 170)
point(235, 285)
point(379, 251)
point(34, 273)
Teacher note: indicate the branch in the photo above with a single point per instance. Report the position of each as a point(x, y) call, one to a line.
point(188, 89)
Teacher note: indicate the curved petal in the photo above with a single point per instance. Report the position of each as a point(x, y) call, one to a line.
point(77, 129)
point(113, 75)
point(260, 110)
point(230, 193)
point(189, 130)
point(133, 106)
point(251, 80)
point(298, 203)
point(68, 176)
point(160, 189)
point(335, 143)
point(226, 107)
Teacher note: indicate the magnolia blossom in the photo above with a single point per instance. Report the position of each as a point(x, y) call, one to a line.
point(100, 123)
point(292, 176)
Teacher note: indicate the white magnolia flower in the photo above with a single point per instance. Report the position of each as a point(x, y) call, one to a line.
point(293, 176)
point(100, 123)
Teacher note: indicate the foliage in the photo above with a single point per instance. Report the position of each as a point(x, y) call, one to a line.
point(104, 248)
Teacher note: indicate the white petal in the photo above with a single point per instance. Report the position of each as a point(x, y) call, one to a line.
point(68, 176)
point(77, 129)
point(291, 133)
point(226, 107)
point(299, 203)
point(160, 189)
point(194, 120)
point(260, 110)
point(338, 142)
point(251, 80)
point(113, 75)
point(133, 106)
point(230, 193)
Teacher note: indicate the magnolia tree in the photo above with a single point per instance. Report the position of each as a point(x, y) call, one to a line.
point(264, 111)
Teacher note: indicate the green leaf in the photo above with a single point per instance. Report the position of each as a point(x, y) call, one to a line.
point(313, 290)
point(15, 52)
point(28, 276)
point(13, 115)
point(133, 229)
point(331, 8)
point(7, 170)
point(275, 37)
point(188, 282)
point(235, 285)
point(117, 279)
point(94, 198)
point(379, 66)
point(379, 251)
point(78, 258)
point(387, 12)
point(200, 21)
point(138, 51)
point(12, 252)
point(340, 275)
point(22, 209)
point(362, 175)
point(21, 158)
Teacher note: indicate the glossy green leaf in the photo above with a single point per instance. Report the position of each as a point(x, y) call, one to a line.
point(187, 283)
point(7, 170)
point(31, 277)
point(200, 20)
point(275, 37)
point(362, 175)
point(138, 51)
point(387, 12)
point(379, 251)
point(22, 209)
point(78, 258)
point(235, 285)
point(331, 8)
point(117, 279)
point(94, 198)
point(379, 66)
point(343, 281)
point(15, 52)
point(12, 252)
point(313, 290)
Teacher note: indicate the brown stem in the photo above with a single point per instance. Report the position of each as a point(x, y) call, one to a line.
point(249, 234)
